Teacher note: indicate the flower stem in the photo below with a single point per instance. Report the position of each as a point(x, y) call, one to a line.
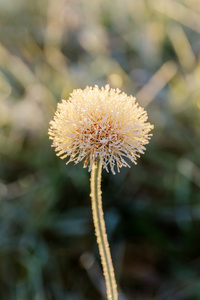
point(100, 231)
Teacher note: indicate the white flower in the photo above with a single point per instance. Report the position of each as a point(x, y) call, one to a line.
point(100, 123)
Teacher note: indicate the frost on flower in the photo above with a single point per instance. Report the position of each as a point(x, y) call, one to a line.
point(100, 123)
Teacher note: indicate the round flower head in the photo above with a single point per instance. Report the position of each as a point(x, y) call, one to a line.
point(100, 123)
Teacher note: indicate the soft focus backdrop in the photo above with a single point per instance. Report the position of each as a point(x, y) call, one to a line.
point(147, 48)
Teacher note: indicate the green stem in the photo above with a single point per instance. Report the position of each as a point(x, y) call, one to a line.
point(100, 231)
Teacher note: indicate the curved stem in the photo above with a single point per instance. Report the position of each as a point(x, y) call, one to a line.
point(100, 231)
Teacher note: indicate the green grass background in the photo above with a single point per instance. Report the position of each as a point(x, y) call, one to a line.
point(147, 48)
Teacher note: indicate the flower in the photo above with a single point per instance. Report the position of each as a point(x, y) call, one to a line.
point(100, 123)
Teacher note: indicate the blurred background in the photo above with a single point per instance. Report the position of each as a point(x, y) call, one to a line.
point(147, 48)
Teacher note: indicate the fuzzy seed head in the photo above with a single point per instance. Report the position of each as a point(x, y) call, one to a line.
point(103, 124)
